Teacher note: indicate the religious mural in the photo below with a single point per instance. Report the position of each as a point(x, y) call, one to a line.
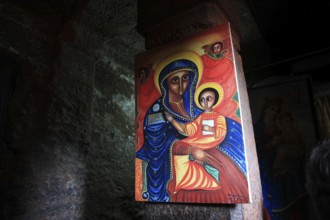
point(284, 134)
point(189, 138)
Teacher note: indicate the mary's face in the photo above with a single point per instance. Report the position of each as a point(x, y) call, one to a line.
point(178, 82)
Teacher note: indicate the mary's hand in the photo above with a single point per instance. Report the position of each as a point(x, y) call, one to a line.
point(201, 157)
point(168, 117)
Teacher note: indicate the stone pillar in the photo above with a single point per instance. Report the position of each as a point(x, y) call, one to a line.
point(166, 21)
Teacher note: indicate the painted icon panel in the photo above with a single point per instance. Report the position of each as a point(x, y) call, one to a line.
point(189, 139)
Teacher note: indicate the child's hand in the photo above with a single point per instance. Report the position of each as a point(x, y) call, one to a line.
point(205, 127)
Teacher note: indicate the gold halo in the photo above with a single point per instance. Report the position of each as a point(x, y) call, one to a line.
point(213, 85)
point(187, 55)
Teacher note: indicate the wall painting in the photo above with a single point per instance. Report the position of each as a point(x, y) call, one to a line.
point(283, 124)
point(189, 138)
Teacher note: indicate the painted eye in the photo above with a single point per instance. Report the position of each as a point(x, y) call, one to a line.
point(175, 79)
point(185, 77)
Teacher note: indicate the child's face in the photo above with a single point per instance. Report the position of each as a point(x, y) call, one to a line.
point(206, 100)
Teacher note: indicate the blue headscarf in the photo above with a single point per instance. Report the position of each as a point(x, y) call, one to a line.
point(188, 95)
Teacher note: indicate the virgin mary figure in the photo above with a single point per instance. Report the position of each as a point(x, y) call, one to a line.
point(176, 79)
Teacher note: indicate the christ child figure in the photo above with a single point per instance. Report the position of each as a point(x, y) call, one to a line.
point(204, 134)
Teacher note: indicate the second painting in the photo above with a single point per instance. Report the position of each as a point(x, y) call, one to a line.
point(189, 139)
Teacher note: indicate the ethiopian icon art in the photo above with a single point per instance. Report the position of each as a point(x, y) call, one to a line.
point(189, 139)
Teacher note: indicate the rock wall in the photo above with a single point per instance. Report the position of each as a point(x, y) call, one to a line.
point(68, 150)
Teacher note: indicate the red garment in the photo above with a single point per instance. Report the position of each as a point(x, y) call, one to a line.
point(196, 138)
point(191, 182)
point(234, 186)
point(191, 176)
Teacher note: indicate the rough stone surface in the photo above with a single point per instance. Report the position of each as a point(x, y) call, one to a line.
point(69, 150)
point(176, 20)
point(252, 210)
point(187, 211)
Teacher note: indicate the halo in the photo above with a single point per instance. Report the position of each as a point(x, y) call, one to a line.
point(187, 55)
point(212, 85)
